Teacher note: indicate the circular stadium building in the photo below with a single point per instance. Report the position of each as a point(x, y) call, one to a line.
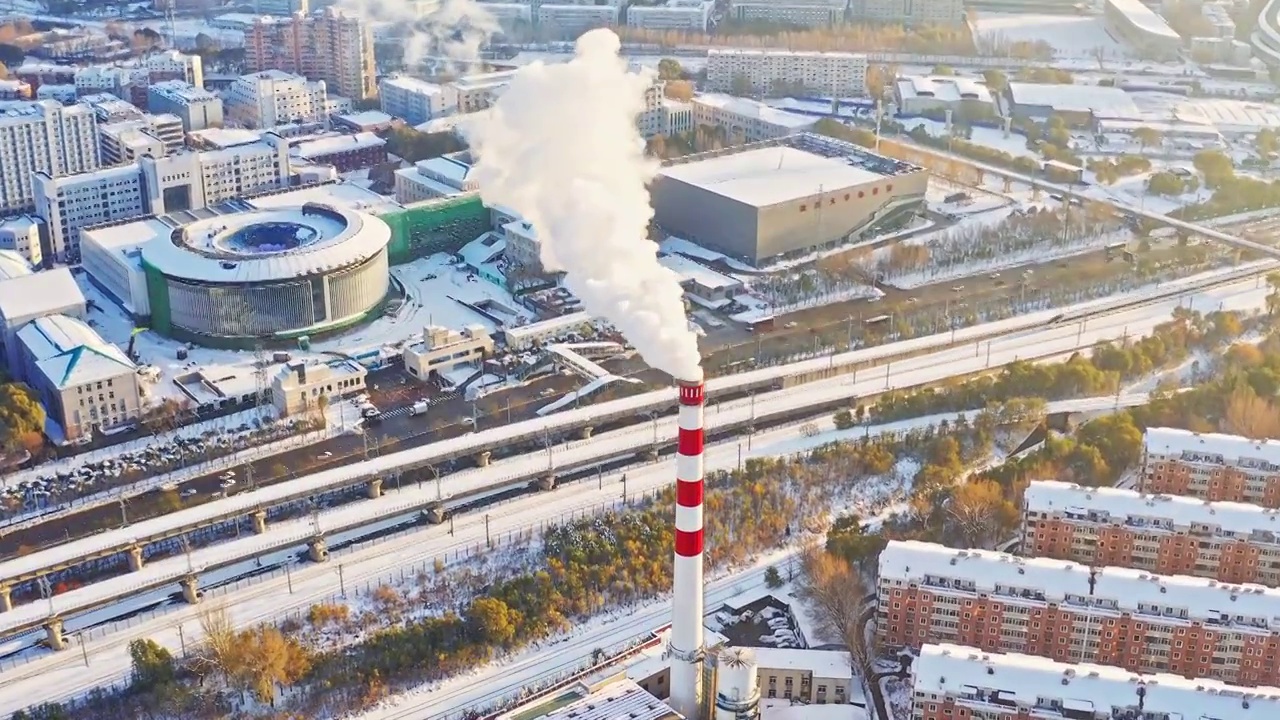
point(262, 275)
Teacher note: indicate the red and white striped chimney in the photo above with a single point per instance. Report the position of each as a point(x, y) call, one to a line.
point(686, 618)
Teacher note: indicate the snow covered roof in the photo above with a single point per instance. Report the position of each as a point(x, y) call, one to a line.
point(769, 176)
point(698, 273)
point(782, 709)
point(68, 352)
point(342, 143)
point(820, 663)
point(13, 265)
point(1033, 682)
point(618, 699)
point(225, 137)
point(1115, 505)
point(1213, 449)
point(755, 109)
point(411, 84)
point(42, 293)
point(947, 88)
point(336, 194)
point(1145, 19)
point(1100, 101)
point(1041, 580)
point(208, 251)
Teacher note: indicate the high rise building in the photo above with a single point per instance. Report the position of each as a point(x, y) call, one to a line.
point(43, 136)
point(269, 98)
point(325, 45)
point(1171, 535)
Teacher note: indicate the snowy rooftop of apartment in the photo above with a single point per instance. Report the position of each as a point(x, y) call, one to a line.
point(178, 90)
point(755, 109)
point(1048, 496)
point(769, 176)
point(452, 123)
point(366, 118)
point(337, 144)
point(126, 237)
point(68, 352)
point(947, 88)
point(225, 137)
point(1114, 589)
point(1101, 101)
point(1212, 448)
point(1145, 19)
point(39, 294)
point(821, 663)
point(1027, 680)
point(412, 84)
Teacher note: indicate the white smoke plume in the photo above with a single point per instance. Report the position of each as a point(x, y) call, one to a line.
point(448, 32)
point(561, 148)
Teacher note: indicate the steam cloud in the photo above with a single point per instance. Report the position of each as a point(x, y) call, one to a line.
point(561, 148)
point(451, 30)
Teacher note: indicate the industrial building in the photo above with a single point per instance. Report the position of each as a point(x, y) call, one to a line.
point(198, 108)
point(43, 136)
point(840, 74)
point(950, 682)
point(610, 698)
point(786, 198)
point(1211, 466)
point(85, 383)
point(415, 101)
point(692, 15)
point(1194, 627)
point(269, 98)
point(934, 95)
point(1141, 27)
point(326, 45)
point(1079, 105)
point(1165, 534)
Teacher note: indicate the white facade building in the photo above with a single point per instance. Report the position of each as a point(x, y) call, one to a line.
point(124, 142)
point(573, 20)
point(196, 107)
point(477, 92)
point(826, 73)
point(747, 121)
point(510, 16)
point(444, 176)
point(809, 13)
point(692, 15)
point(271, 97)
point(948, 13)
point(414, 100)
point(21, 235)
point(43, 136)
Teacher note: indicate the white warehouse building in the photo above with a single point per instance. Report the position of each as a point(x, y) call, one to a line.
point(673, 15)
point(826, 73)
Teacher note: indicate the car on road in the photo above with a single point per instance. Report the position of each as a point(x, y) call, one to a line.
point(228, 475)
point(189, 492)
point(420, 408)
point(227, 483)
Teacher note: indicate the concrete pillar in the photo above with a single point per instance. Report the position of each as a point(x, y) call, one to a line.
point(317, 550)
point(585, 432)
point(259, 518)
point(547, 482)
point(135, 557)
point(435, 515)
point(191, 589)
point(482, 458)
point(6, 600)
point(374, 489)
point(53, 636)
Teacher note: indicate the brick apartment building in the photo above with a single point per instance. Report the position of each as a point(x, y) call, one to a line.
point(1194, 627)
point(325, 45)
point(1211, 466)
point(1169, 535)
point(951, 682)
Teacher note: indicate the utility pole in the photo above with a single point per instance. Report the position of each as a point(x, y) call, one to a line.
point(288, 576)
point(182, 640)
point(486, 529)
point(439, 489)
point(84, 651)
point(342, 582)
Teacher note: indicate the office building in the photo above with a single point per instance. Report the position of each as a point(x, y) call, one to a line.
point(1211, 466)
point(196, 107)
point(570, 21)
point(1193, 627)
point(806, 13)
point(444, 176)
point(27, 296)
point(43, 136)
point(443, 349)
point(302, 387)
point(823, 73)
point(345, 153)
point(477, 92)
point(747, 121)
point(20, 236)
point(108, 108)
point(124, 142)
point(950, 682)
point(415, 101)
point(325, 45)
point(269, 98)
point(947, 13)
point(691, 15)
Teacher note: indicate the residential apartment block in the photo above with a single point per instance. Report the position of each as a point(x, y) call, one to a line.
point(326, 45)
point(1068, 612)
point(43, 136)
point(825, 73)
point(809, 13)
point(910, 12)
point(569, 21)
point(694, 15)
point(1211, 466)
point(414, 100)
point(952, 682)
point(1169, 535)
point(269, 98)
point(196, 107)
point(127, 140)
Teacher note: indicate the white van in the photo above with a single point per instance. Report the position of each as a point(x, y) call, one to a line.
point(420, 407)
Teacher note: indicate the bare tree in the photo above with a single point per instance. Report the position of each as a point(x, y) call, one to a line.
point(1249, 415)
point(836, 591)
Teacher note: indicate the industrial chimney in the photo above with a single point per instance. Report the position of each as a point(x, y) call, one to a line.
point(737, 691)
point(686, 617)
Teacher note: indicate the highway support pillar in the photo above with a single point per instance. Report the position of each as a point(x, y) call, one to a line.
point(585, 432)
point(651, 454)
point(135, 557)
point(547, 482)
point(6, 598)
point(53, 636)
point(374, 489)
point(482, 458)
point(191, 589)
point(317, 550)
point(435, 515)
point(259, 518)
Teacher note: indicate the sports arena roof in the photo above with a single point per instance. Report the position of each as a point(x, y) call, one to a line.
point(769, 175)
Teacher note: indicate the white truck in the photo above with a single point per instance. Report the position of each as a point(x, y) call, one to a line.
point(420, 408)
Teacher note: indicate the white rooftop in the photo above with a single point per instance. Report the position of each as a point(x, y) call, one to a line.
point(13, 265)
point(1025, 680)
point(411, 84)
point(782, 709)
point(39, 293)
point(742, 52)
point(226, 137)
point(756, 109)
point(612, 701)
point(1117, 505)
point(947, 88)
point(337, 144)
point(1213, 448)
point(1041, 580)
point(68, 352)
point(1145, 19)
point(1101, 101)
point(697, 272)
point(821, 663)
point(769, 176)
point(340, 194)
point(367, 117)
